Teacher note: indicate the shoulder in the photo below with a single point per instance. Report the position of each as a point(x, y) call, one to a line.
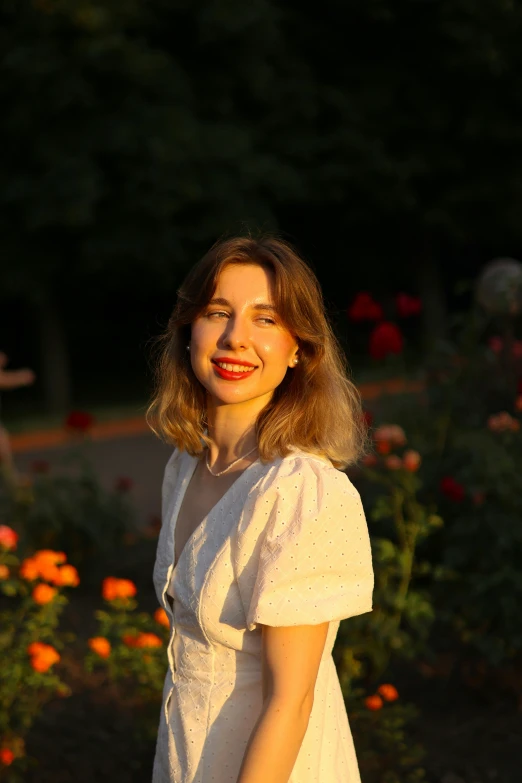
point(297, 491)
point(308, 473)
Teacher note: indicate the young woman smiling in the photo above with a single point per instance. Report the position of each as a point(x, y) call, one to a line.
point(264, 546)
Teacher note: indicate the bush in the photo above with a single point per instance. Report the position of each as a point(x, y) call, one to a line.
point(131, 646)
point(31, 602)
point(67, 510)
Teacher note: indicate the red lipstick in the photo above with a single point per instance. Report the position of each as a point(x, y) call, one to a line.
point(229, 375)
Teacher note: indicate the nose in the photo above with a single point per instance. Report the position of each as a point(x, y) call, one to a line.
point(236, 334)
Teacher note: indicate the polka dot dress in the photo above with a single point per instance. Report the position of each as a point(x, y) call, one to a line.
point(287, 544)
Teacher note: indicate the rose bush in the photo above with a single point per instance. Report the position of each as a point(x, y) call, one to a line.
point(31, 602)
point(130, 645)
point(67, 508)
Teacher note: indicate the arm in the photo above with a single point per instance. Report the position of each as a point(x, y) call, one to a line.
point(291, 658)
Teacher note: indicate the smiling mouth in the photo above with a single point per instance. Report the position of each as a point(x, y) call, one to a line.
point(233, 367)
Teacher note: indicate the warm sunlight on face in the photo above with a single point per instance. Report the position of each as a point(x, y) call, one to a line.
point(239, 328)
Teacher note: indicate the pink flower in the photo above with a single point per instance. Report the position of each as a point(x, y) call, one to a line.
point(500, 422)
point(411, 460)
point(386, 338)
point(393, 462)
point(391, 433)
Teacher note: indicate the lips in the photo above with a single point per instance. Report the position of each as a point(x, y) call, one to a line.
point(231, 375)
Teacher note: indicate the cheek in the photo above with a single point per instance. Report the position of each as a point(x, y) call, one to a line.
point(276, 350)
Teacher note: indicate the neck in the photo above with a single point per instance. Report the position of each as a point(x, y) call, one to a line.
point(232, 430)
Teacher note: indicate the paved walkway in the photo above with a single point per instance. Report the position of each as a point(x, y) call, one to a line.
point(140, 457)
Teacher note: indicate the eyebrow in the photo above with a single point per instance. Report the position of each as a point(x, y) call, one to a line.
point(225, 303)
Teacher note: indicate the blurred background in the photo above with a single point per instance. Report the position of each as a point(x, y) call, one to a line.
point(383, 139)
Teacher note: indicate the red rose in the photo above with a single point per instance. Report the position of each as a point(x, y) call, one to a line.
point(452, 489)
point(79, 420)
point(364, 308)
point(407, 305)
point(386, 338)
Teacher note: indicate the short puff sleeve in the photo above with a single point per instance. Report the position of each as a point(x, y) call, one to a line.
point(313, 559)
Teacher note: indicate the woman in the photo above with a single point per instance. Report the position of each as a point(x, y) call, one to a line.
point(264, 546)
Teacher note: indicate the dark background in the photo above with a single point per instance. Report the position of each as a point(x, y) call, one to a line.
point(382, 138)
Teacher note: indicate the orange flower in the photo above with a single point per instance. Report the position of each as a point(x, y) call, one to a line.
point(393, 462)
point(43, 565)
point(373, 702)
point(369, 460)
point(411, 460)
point(43, 656)
point(100, 645)
point(148, 640)
point(388, 692)
point(43, 594)
point(4, 572)
point(35, 648)
point(142, 640)
point(50, 556)
point(113, 588)
point(68, 576)
point(161, 617)
point(29, 569)
point(48, 571)
point(8, 537)
point(129, 639)
point(6, 756)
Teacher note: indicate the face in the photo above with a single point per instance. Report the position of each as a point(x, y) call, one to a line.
point(240, 327)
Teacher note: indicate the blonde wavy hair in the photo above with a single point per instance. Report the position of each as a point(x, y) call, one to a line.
point(316, 408)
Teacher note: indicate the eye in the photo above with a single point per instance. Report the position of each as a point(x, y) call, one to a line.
point(268, 320)
point(217, 312)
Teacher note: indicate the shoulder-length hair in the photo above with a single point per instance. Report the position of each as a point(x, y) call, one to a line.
point(316, 408)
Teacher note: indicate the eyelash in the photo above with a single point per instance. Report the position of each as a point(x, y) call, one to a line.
point(222, 312)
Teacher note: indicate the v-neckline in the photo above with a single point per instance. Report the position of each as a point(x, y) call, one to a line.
point(183, 489)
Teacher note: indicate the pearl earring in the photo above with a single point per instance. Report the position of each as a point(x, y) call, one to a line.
point(295, 361)
point(188, 347)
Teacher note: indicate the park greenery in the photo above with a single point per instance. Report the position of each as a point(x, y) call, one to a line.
point(384, 139)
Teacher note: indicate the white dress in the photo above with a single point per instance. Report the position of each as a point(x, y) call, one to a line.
point(287, 544)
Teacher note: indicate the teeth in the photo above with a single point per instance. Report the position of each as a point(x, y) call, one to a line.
point(234, 367)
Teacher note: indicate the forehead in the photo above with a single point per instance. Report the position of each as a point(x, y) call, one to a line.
point(240, 282)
